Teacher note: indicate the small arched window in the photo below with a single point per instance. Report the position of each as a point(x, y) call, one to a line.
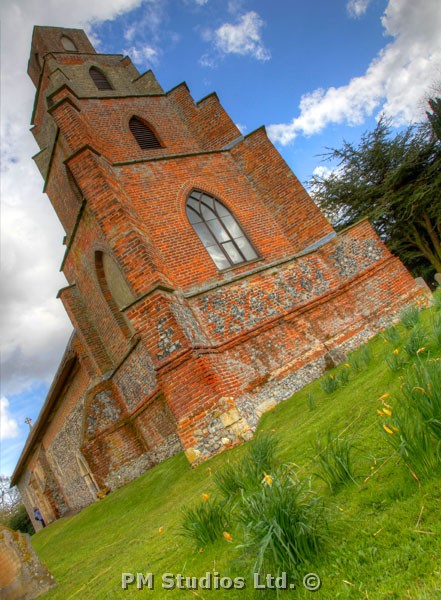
point(68, 44)
point(87, 476)
point(218, 230)
point(99, 79)
point(114, 289)
point(113, 282)
point(142, 133)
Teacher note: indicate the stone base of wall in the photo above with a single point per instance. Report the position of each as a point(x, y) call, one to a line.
point(239, 422)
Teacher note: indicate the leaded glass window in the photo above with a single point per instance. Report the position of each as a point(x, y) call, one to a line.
point(219, 231)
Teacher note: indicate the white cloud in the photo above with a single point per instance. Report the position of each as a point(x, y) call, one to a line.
point(322, 171)
point(357, 8)
point(34, 325)
point(194, 4)
point(206, 60)
point(149, 25)
point(142, 55)
point(395, 83)
point(130, 32)
point(243, 38)
point(8, 426)
point(33, 322)
point(235, 6)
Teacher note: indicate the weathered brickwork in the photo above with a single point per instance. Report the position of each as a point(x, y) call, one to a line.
point(170, 352)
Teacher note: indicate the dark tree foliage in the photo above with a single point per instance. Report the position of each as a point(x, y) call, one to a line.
point(435, 116)
point(396, 182)
point(20, 521)
point(12, 511)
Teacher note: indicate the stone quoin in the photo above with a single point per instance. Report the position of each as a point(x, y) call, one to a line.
point(204, 284)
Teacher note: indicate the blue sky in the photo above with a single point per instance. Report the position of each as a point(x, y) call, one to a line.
point(303, 46)
point(314, 72)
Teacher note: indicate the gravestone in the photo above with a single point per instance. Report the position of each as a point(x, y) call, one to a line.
point(22, 575)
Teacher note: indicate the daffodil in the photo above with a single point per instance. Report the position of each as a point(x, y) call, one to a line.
point(160, 530)
point(227, 536)
point(388, 430)
point(380, 412)
point(387, 412)
point(396, 351)
point(205, 497)
point(384, 396)
point(421, 349)
point(267, 479)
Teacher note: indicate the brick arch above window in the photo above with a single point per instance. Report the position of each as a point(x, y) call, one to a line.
point(143, 134)
point(219, 231)
point(99, 79)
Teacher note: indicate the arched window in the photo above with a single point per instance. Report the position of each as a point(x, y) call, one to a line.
point(218, 230)
point(68, 44)
point(115, 289)
point(87, 476)
point(143, 134)
point(99, 79)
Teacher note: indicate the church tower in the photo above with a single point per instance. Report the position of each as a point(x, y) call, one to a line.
point(204, 283)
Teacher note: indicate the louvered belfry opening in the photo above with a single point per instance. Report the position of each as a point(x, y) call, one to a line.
point(99, 79)
point(143, 134)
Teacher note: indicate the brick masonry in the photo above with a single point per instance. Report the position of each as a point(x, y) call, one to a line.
point(169, 353)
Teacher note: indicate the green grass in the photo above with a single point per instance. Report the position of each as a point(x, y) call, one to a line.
point(205, 522)
point(384, 533)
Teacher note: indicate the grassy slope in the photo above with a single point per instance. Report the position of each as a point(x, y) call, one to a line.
point(383, 546)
